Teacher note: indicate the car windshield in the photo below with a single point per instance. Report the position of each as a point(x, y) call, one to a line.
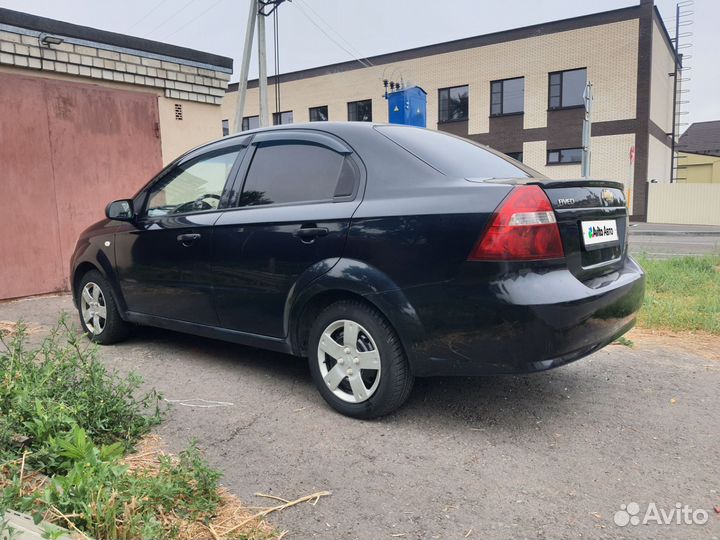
point(452, 155)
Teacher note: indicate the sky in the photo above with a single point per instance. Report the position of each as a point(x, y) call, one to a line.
point(318, 32)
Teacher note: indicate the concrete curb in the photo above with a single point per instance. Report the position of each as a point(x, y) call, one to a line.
point(21, 527)
point(674, 233)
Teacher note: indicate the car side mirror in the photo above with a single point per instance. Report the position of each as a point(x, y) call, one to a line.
point(121, 210)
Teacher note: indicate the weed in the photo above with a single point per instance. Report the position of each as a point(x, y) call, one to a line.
point(46, 391)
point(622, 340)
point(64, 415)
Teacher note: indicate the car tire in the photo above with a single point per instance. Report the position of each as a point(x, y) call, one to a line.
point(369, 379)
point(99, 315)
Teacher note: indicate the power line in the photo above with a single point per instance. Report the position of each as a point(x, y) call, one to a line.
point(141, 19)
point(163, 23)
point(363, 63)
point(194, 19)
point(338, 34)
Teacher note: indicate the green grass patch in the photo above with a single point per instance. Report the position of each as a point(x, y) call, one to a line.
point(682, 294)
point(65, 416)
point(625, 342)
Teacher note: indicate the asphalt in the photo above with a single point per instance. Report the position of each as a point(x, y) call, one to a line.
point(553, 455)
point(662, 241)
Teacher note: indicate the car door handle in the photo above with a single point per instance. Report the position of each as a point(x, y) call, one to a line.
point(311, 232)
point(188, 239)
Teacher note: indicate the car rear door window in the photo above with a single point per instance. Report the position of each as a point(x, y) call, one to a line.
point(296, 172)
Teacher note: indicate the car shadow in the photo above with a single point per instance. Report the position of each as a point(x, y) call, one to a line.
point(223, 354)
point(502, 402)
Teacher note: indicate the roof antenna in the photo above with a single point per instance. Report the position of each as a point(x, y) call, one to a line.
point(681, 42)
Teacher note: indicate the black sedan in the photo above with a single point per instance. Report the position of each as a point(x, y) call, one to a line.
point(380, 252)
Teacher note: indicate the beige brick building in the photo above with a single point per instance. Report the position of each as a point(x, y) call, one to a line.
point(520, 91)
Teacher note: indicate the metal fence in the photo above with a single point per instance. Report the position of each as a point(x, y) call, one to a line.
point(686, 204)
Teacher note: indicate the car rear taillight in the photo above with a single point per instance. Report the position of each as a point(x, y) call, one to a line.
point(523, 228)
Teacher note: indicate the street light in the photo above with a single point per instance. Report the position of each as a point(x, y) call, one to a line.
point(48, 40)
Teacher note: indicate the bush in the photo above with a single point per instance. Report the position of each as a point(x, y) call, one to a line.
point(63, 414)
point(47, 391)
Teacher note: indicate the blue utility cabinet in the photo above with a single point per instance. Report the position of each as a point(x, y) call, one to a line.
point(408, 106)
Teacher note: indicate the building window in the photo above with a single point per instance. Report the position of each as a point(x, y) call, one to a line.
point(567, 88)
point(285, 117)
point(178, 111)
point(507, 97)
point(250, 122)
point(564, 155)
point(453, 104)
point(515, 155)
point(360, 111)
point(319, 114)
point(226, 128)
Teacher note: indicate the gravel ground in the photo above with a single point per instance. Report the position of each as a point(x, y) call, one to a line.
point(554, 454)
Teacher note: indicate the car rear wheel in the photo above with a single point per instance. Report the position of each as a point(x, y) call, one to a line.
point(357, 361)
point(99, 315)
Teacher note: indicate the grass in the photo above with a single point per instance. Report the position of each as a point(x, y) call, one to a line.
point(67, 428)
point(625, 342)
point(682, 294)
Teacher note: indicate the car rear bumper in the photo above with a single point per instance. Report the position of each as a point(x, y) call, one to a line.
point(520, 322)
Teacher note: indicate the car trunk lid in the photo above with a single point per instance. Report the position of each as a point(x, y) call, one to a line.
point(592, 218)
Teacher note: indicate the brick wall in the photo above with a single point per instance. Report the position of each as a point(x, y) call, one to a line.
point(178, 78)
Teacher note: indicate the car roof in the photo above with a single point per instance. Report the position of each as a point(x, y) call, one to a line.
point(329, 127)
point(339, 129)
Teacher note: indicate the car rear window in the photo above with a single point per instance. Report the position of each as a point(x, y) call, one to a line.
point(452, 155)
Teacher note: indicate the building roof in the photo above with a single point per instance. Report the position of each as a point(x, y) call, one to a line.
point(701, 138)
point(60, 28)
point(551, 27)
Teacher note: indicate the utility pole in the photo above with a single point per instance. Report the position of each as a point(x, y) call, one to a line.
point(586, 130)
point(257, 16)
point(245, 67)
point(262, 72)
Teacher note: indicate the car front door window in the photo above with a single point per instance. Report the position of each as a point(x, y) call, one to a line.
point(192, 187)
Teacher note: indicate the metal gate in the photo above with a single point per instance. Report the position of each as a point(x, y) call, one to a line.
point(66, 150)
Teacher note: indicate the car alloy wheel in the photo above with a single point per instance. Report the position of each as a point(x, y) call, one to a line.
point(349, 361)
point(93, 308)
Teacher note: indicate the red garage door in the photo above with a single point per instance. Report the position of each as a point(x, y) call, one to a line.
point(66, 150)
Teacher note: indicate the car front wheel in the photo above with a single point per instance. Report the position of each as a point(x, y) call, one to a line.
point(99, 315)
point(357, 361)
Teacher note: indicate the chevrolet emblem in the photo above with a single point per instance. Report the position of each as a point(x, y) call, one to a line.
point(608, 196)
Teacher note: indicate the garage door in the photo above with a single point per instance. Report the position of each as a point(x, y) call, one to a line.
point(66, 149)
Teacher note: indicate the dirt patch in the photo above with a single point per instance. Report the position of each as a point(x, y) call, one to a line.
point(703, 344)
point(10, 328)
point(233, 519)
